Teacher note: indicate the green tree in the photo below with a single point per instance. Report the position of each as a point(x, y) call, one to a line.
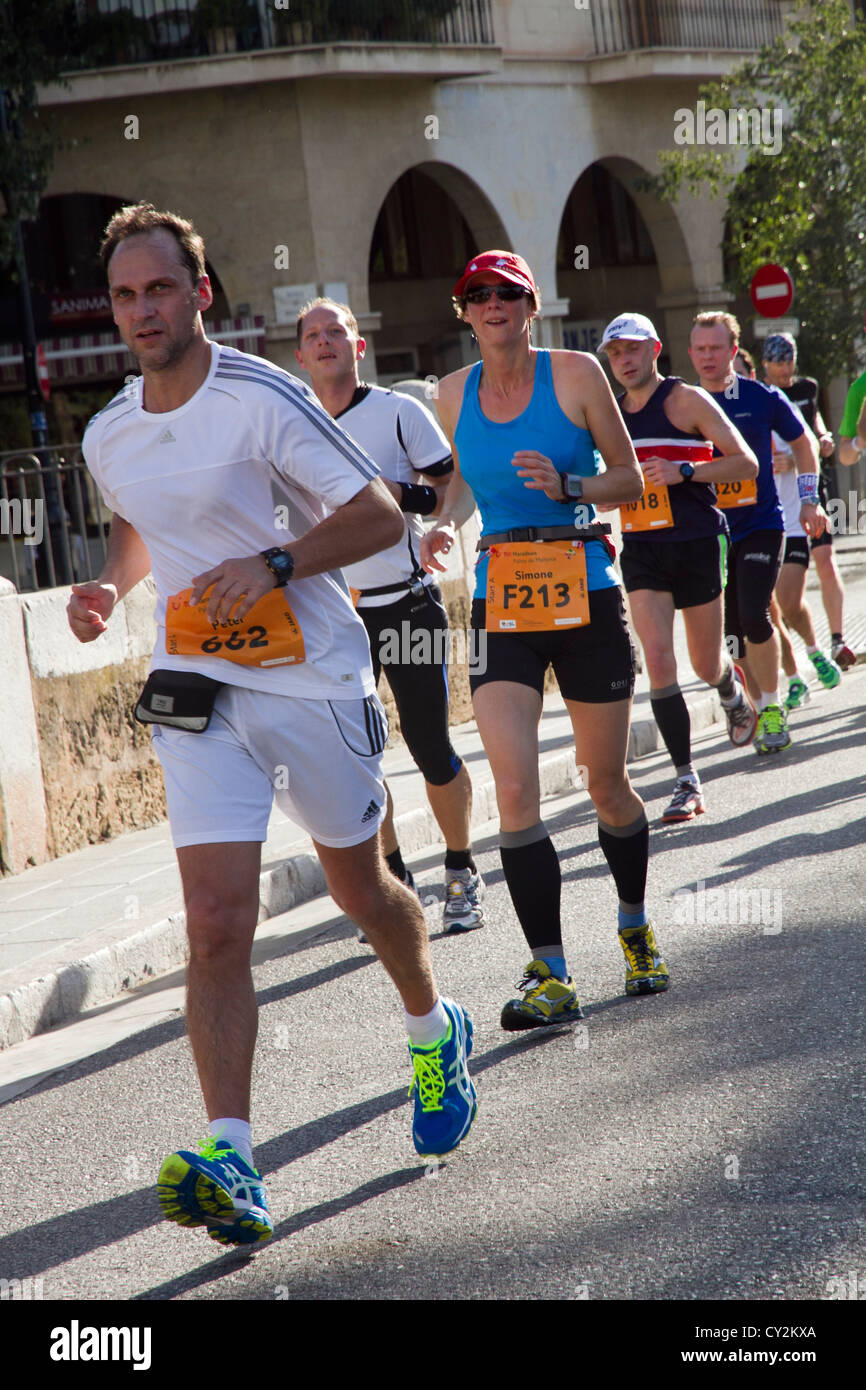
point(804, 207)
point(35, 40)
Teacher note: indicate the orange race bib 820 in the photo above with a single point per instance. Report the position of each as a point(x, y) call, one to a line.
point(742, 493)
point(537, 587)
point(268, 636)
point(650, 512)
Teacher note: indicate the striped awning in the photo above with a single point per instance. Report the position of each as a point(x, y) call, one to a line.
point(88, 357)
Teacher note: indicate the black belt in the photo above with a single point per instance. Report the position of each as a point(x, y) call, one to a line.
point(415, 586)
point(547, 533)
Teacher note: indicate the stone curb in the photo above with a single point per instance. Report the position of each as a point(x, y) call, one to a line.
point(119, 967)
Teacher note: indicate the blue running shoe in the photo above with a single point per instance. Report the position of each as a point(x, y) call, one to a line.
point(445, 1098)
point(216, 1188)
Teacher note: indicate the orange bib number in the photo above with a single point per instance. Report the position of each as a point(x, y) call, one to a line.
point(743, 493)
point(650, 512)
point(536, 588)
point(268, 636)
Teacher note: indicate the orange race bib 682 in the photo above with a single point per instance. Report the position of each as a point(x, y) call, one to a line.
point(268, 636)
point(650, 512)
point(742, 493)
point(537, 587)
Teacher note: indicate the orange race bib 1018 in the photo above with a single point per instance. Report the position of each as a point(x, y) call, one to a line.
point(537, 587)
point(269, 635)
point(650, 512)
point(742, 493)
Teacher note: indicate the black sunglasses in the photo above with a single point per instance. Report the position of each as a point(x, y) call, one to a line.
point(482, 293)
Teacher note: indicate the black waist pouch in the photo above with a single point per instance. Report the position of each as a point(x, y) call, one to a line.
point(181, 699)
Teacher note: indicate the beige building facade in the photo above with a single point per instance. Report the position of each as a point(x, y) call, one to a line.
point(376, 168)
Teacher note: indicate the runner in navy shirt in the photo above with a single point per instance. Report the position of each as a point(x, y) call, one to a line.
point(757, 532)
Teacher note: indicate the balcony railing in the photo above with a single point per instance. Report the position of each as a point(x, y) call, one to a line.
point(621, 25)
point(111, 33)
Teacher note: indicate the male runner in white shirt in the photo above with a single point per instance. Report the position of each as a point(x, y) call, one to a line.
point(191, 460)
point(398, 602)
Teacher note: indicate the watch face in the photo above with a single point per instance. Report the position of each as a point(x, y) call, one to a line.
point(575, 487)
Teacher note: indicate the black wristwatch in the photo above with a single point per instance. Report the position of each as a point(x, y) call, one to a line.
point(687, 471)
point(281, 564)
point(572, 487)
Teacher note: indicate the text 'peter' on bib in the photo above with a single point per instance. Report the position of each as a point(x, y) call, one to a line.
point(537, 587)
point(650, 512)
point(742, 493)
point(269, 635)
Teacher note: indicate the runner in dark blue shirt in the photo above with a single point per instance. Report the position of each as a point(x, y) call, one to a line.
point(756, 525)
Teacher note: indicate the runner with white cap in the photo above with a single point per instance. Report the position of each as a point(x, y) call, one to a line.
point(675, 542)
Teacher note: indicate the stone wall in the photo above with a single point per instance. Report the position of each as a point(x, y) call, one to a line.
point(75, 767)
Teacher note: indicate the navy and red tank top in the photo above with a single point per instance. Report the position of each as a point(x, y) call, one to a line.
point(693, 504)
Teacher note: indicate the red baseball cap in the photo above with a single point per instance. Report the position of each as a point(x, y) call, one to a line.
point(508, 264)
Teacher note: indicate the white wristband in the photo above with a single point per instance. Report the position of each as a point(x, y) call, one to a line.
point(807, 487)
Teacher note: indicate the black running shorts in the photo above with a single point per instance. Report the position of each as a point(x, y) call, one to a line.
point(693, 572)
point(796, 551)
point(593, 664)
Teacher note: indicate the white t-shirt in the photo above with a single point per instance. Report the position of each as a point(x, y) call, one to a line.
point(786, 483)
point(250, 461)
point(405, 440)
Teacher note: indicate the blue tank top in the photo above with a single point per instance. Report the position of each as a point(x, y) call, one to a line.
point(485, 449)
point(693, 505)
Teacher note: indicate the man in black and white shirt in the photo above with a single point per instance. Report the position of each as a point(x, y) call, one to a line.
point(399, 604)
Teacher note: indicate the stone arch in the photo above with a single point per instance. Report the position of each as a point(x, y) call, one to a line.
point(431, 219)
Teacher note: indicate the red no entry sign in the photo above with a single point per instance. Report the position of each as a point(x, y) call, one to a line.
point(42, 372)
point(772, 291)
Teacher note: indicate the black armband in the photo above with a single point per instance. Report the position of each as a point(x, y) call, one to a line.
point(415, 498)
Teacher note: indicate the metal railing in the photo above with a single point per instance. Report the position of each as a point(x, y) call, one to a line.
point(621, 25)
point(113, 34)
point(53, 526)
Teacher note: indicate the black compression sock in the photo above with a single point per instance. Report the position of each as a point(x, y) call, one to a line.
point(725, 686)
point(396, 865)
point(626, 849)
point(672, 716)
point(531, 867)
point(459, 859)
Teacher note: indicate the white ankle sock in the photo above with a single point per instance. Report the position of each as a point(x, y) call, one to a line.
point(428, 1028)
point(237, 1133)
point(768, 697)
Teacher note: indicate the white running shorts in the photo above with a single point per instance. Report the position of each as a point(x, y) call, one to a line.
point(321, 759)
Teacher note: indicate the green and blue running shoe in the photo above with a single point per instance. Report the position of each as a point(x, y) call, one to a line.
point(445, 1098)
point(772, 735)
point(829, 673)
point(216, 1188)
point(547, 1001)
point(798, 693)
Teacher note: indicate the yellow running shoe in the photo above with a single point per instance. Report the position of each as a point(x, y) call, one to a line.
point(546, 1001)
point(646, 972)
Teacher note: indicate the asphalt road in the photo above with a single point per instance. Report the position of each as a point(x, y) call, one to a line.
point(704, 1144)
